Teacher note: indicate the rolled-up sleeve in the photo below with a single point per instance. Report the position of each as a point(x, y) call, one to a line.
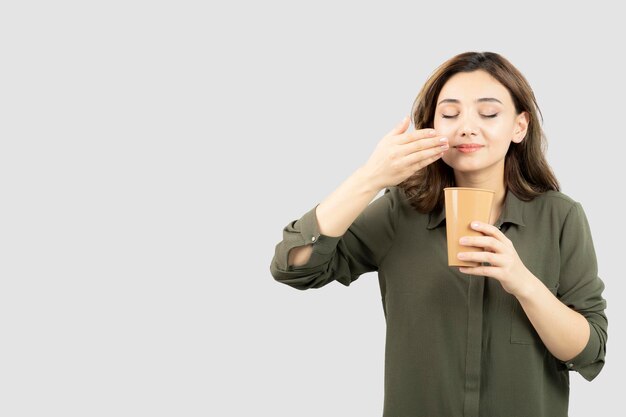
point(580, 288)
point(337, 258)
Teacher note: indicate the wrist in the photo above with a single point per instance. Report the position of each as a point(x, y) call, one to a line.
point(367, 180)
point(531, 286)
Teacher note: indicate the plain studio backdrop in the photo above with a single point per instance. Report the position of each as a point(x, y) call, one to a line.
point(152, 152)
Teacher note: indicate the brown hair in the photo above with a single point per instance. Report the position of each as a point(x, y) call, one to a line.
point(526, 171)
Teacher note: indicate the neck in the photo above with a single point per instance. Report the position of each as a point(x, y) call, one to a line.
point(487, 181)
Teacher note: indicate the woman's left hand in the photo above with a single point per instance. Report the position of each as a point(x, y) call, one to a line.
point(506, 266)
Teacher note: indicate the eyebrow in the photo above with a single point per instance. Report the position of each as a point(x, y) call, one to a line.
point(480, 100)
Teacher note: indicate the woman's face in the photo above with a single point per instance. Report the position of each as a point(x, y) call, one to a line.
point(476, 113)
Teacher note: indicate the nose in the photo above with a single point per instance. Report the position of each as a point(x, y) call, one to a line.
point(467, 130)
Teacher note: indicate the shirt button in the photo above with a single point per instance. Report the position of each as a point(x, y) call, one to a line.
point(570, 365)
point(313, 238)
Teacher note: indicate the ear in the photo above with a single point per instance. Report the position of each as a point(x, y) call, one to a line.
point(521, 127)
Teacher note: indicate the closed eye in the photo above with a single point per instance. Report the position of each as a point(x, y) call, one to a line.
point(490, 116)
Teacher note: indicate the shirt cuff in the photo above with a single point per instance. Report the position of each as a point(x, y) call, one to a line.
point(587, 363)
point(301, 232)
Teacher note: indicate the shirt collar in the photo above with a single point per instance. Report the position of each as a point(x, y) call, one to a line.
point(512, 212)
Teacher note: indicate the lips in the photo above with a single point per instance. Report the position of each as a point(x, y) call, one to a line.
point(469, 146)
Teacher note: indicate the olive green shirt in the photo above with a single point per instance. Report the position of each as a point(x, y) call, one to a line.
point(458, 344)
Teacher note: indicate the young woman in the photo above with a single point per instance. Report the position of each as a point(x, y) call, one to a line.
point(497, 339)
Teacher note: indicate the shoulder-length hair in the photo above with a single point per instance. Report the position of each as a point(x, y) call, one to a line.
point(526, 171)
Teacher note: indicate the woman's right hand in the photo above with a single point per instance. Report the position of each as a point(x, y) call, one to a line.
point(399, 154)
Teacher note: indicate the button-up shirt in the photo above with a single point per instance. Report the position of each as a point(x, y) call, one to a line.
point(458, 344)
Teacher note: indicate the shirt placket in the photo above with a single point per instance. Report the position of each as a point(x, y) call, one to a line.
point(474, 346)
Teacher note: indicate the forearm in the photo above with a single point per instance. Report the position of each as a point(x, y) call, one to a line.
point(339, 210)
point(564, 331)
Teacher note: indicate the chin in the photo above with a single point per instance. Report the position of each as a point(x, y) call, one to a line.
point(465, 167)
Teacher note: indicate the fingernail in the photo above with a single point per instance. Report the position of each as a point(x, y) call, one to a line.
point(475, 225)
point(443, 140)
point(463, 240)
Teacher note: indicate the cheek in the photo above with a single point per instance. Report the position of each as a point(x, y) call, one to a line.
point(502, 127)
point(499, 137)
point(443, 127)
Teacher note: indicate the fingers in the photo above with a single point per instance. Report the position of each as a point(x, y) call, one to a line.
point(492, 232)
point(489, 229)
point(487, 242)
point(418, 160)
point(400, 127)
point(493, 259)
point(485, 271)
point(419, 145)
point(409, 137)
point(400, 130)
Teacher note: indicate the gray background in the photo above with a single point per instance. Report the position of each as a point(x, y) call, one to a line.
point(152, 152)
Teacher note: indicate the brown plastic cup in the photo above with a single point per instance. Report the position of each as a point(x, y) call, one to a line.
point(464, 205)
